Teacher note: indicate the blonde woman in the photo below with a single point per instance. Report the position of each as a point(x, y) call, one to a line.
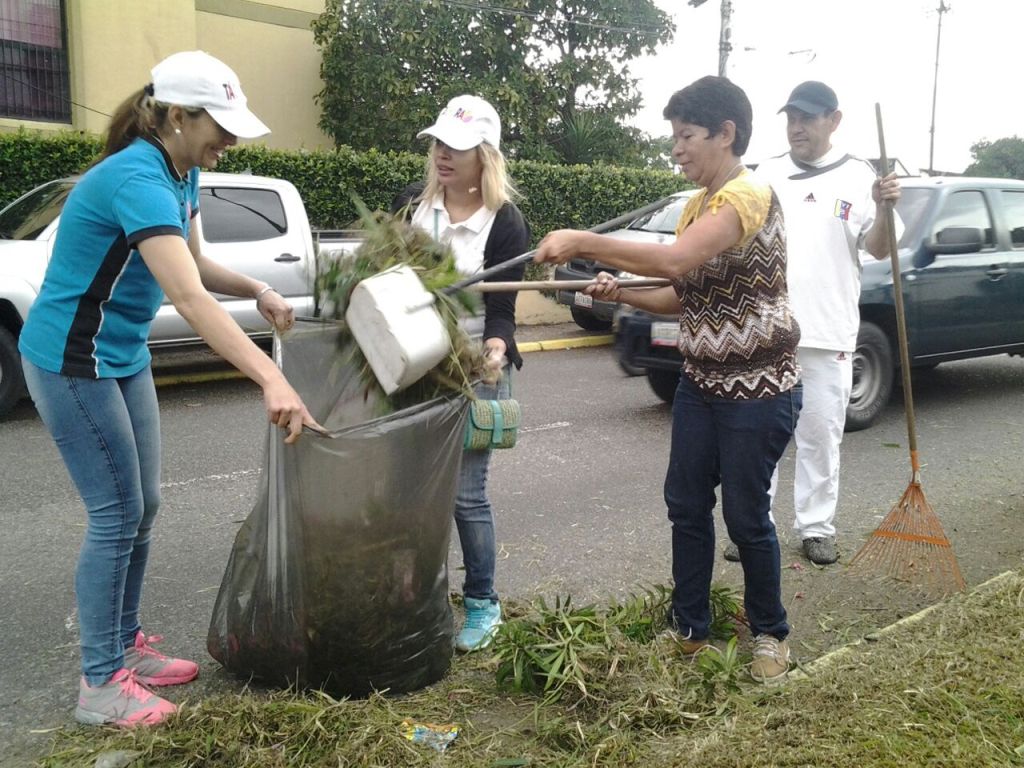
point(467, 203)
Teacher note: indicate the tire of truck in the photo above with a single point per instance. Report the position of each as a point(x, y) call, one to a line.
point(628, 368)
point(587, 321)
point(622, 360)
point(664, 383)
point(873, 373)
point(12, 380)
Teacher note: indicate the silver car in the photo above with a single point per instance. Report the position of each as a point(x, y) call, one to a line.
point(656, 227)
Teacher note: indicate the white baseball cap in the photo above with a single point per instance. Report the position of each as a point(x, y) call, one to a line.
point(466, 122)
point(197, 79)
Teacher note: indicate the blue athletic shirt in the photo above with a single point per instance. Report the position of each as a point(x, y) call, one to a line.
point(98, 299)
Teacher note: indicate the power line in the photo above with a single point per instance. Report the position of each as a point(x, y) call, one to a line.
point(538, 16)
point(53, 94)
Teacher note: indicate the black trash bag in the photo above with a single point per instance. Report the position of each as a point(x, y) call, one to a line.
point(337, 579)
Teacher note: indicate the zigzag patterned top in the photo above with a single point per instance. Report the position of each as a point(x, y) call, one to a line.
point(738, 336)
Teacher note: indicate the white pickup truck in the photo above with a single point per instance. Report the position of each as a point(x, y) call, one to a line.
point(252, 224)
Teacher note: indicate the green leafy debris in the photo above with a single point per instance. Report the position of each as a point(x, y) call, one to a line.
point(389, 241)
point(942, 690)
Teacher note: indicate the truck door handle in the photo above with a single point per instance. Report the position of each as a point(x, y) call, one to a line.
point(286, 257)
point(996, 273)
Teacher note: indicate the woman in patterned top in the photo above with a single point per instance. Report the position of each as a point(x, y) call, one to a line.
point(739, 394)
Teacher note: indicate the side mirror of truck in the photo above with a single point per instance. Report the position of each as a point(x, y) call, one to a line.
point(957, 240)
point(951, 240)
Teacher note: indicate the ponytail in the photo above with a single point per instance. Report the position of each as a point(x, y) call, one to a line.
point(138, 115)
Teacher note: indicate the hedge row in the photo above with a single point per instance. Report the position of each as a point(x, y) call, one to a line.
point(553, 196)
point(29, 159)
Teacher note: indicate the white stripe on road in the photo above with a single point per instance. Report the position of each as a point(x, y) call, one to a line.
point(208, 478)
point(545, 427)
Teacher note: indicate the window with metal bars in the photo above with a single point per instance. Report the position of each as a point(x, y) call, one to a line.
point(34, 82)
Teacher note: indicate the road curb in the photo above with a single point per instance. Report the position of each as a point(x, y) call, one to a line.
point(196, 378)
point(551, 344)
point(580, 342)
point(831, 658)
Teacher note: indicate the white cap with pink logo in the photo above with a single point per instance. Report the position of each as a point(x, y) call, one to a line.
point(467, 122)
point(197, 79)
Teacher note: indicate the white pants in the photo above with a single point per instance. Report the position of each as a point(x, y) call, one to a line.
point(827, 377)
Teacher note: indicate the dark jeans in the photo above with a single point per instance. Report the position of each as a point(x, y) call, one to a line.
point(734, 444)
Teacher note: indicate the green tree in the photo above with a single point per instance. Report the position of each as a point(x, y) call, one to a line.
point(654, 152)
point(588, 45)
point(388, 66)
point(1002, 158)
point(556, 70)
point(594, 136)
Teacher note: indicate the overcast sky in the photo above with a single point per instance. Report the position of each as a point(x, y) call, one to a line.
point(868, 51)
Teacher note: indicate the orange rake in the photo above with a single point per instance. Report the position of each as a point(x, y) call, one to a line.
point(909, 544)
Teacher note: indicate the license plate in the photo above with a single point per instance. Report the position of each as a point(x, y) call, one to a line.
point(583, 300)
point(664, 335)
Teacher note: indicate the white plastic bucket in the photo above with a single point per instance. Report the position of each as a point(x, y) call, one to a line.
point(394, 322)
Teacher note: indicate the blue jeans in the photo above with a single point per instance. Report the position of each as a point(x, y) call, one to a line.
point(108, 433)
point(734, 444)
point(474, 517)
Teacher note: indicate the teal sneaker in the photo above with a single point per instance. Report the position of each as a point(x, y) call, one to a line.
point(483, 617)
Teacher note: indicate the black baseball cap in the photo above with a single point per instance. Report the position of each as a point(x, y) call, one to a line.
point(812, 97)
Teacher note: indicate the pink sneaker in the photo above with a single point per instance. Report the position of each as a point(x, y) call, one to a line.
point(122, 700)
point(153, 668)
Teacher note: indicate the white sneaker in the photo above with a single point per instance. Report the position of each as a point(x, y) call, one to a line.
point(771, 659)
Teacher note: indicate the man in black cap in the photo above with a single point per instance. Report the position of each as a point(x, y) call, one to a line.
point(832, 206)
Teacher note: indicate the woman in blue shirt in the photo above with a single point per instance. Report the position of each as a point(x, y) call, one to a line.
point(126, 238)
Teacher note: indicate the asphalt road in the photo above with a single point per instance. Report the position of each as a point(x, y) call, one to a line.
point(578, 505)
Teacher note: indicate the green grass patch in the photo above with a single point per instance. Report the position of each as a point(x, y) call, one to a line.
point(604, 687)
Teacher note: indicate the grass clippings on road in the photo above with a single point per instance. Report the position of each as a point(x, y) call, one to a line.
point(943, 690)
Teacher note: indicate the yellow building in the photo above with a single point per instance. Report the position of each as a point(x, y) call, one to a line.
point(67, 64)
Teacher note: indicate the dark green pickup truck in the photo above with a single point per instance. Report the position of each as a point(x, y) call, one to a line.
point(962, 268)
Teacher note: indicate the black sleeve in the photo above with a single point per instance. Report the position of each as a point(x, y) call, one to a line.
point(510, 237)
point(404, 199)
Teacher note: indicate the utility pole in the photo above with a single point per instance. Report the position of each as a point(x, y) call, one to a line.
point(725, 38)
point(935, 87)
point(724, 34)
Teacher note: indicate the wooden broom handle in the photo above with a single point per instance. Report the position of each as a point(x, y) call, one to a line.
point(565, 285)
point(897, 289)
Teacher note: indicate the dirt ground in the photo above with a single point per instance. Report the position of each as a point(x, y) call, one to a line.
point(831, 606)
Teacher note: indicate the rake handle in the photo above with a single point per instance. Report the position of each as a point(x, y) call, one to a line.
point(606, 226)
point(901, 322)
point(567, 285)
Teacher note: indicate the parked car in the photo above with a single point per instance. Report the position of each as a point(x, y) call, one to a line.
point(253, 224)
point(961, 260)
point(656, 227)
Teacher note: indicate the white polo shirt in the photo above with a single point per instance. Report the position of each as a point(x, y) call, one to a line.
point(828, 213)
point(467, 238)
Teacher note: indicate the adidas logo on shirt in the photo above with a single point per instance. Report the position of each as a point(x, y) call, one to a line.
point(810, 198)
